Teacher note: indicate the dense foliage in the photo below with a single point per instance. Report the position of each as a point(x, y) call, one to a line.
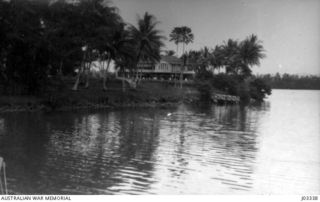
point(41, 40)
point(237, 58)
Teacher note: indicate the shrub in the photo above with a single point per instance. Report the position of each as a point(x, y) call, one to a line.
point(259, 89)
point(205, 89)
point(225, 82)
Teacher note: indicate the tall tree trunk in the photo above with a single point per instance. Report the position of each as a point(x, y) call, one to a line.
point(105, 75)
point(76, 84)
point(181, 71)
point(138, 59)
point(140, 78)
point(81, 69)
point(177, 50)
point(102, 69)
point(88, 74)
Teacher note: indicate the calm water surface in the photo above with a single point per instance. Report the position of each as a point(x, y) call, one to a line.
point(268, 149)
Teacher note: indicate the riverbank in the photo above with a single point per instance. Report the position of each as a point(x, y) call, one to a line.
point(147, 94)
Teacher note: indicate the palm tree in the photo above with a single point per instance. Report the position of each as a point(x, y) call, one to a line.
point(118, 46)
point(217, 57)
point(93, 25)
point(175, 36)
point(182, 35)
point(124, 52)
point(205, 57)
point(240, 57)
point(250, 52)
point(186, 38)
point(231, 56)
point(148, 40)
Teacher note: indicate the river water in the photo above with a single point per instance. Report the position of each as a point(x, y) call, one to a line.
point(273, 148)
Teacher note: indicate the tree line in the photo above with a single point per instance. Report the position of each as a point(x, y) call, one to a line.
point(43, 40)
point(291, 81)
point(236, 57)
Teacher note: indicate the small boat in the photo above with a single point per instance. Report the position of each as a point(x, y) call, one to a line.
point(3, 182)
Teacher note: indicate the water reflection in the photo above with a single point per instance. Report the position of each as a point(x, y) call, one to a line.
point(129, 152)
point(192, 150)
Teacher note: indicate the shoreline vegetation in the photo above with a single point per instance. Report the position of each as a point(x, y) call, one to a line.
point(49, 50)
point(166, 95)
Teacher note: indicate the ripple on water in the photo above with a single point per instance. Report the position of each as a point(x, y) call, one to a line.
point(201, 150)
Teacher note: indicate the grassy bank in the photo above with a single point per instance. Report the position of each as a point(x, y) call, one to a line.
point(147, 94)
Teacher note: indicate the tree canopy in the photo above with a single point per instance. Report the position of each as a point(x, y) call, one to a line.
point(44, 39)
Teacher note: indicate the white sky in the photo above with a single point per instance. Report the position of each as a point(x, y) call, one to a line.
point(289, 29)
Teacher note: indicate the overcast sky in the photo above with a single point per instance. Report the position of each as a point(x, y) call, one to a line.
point(289, 29)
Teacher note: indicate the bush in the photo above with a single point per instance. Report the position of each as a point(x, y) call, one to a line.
point(246, 89)
point(205, 89)
point(259, 89)
point(204, 75)
point(225, 82)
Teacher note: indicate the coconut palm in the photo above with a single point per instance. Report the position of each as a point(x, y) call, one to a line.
point(217, 57)
point(186, 37)
point(175, 36)
point(182, 35)
point(148, 40)
point(250, 53)
point(240, 57)
point(118, 46)
point(205, 57)
point(93, 25)
point(124, 52)
point(231, 56)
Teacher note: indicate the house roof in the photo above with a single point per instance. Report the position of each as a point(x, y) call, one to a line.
point(171, 59)
point(167, 59)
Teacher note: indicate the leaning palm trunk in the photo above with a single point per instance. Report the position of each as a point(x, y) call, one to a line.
point(76, 84)
point(81, 69)
point(132, 82)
